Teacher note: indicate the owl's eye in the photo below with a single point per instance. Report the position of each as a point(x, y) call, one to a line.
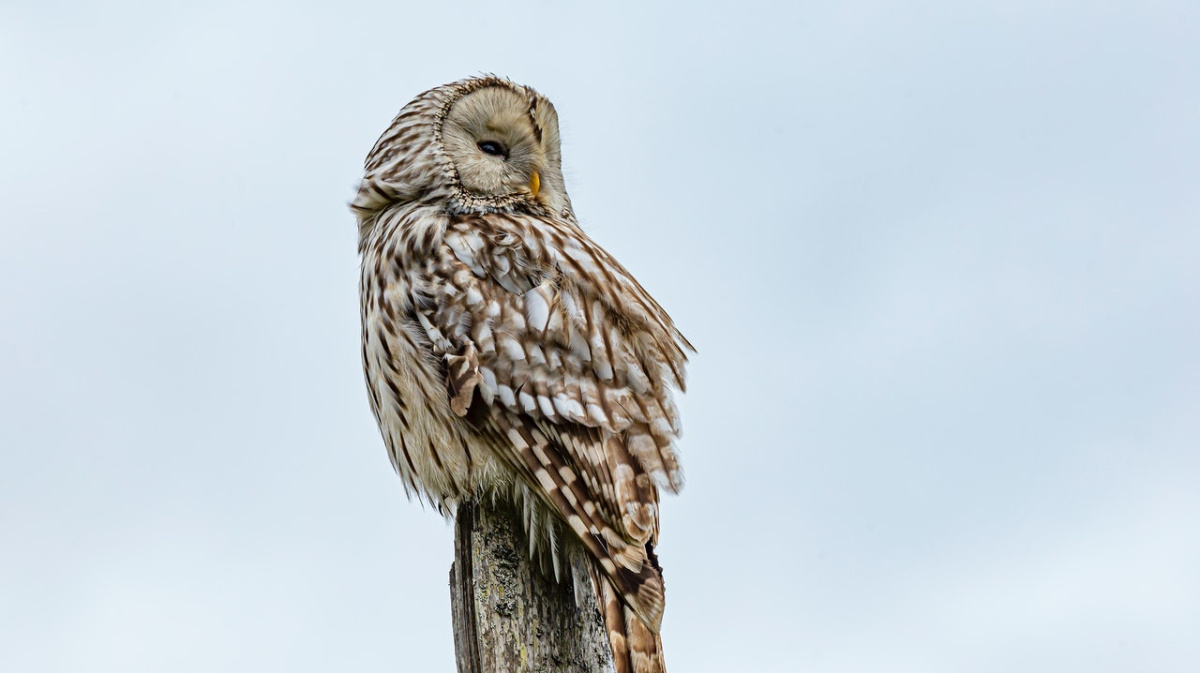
point(493, 148)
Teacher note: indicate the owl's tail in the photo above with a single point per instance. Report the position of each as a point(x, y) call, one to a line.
point(636, 648)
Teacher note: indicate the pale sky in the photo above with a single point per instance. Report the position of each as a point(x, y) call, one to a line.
point(941, 263)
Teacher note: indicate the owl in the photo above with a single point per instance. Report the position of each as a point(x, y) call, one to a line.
point(507, 355)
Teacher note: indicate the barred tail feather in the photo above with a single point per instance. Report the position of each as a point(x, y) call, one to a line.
point(636, 648)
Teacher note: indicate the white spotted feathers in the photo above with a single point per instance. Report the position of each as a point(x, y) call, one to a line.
point(507, 353)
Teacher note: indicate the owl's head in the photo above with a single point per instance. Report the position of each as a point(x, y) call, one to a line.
point(482, 144)
point(503, 141)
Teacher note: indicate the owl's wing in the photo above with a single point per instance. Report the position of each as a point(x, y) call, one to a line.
point(554, 347)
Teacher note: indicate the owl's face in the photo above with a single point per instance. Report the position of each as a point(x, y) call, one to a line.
point(482, 144)
point(504, 143)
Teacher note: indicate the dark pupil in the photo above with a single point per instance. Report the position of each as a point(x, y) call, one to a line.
point(492, 147)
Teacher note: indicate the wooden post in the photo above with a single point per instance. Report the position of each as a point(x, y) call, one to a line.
point(509, 616)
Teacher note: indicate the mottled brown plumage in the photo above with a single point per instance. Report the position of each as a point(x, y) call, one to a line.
point(506, 353)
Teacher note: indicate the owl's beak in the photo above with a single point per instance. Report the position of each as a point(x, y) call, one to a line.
point(535, 184)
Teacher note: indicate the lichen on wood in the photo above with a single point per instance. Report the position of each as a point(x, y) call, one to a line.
point(509, 615)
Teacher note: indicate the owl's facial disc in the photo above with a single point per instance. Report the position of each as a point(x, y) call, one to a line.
point(494, 143)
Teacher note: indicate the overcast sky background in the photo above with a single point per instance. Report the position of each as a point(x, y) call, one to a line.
point(941, 263)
